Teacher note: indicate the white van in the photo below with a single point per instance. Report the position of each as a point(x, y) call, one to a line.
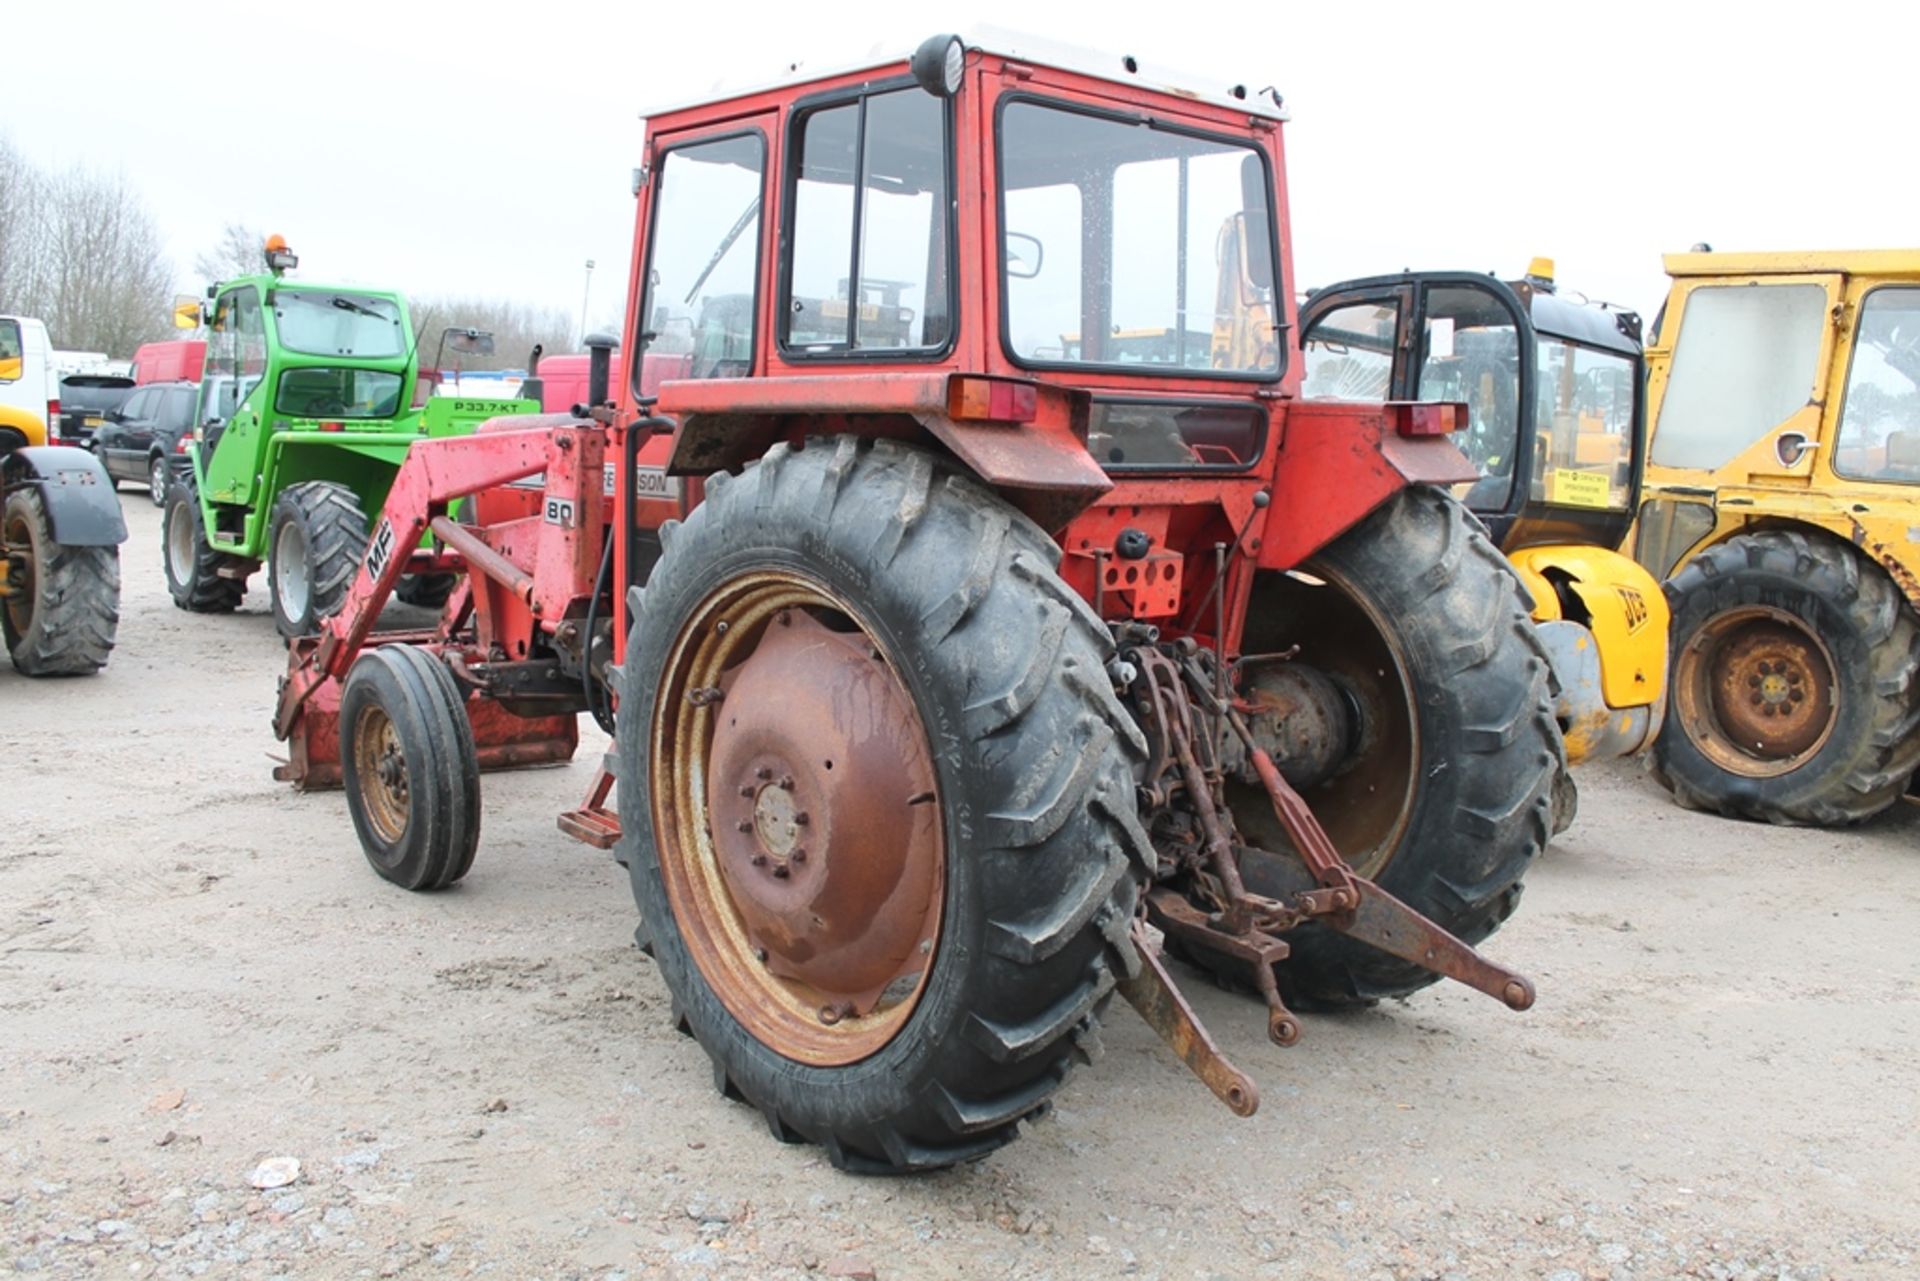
point(29, 393)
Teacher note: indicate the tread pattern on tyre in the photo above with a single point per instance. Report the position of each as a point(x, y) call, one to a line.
point(76, 612)
point(1490, 748)
point(336, 529)
point(1856, 775)
point(207, 592)
point(1044, 836)
point(420, 696)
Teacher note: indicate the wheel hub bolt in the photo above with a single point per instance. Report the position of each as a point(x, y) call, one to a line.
point(744, 825)
point(763, 773)
point(781, 872)
point(786, 782)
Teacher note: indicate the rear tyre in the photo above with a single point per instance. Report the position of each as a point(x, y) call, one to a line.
point(318, 535)
point(159, 479)
point(60, 617)
point(412, 775)
point(1453, 787)
point(1794, 692)
point(985, 770)
point(194, 577)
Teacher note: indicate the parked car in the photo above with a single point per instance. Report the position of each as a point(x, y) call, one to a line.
point(146, 439)
point(85, 401)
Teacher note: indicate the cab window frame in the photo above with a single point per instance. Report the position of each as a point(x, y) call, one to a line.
point(1283, 328)
point(1846, 393)
point(657, 176)
point(794, 129)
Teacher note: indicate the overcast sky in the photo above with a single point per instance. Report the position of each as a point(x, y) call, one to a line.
point(485, 149)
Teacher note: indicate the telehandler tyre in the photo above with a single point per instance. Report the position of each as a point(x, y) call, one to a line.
point(317, 536)
point(411, 773)
point(1794, 692)
point(1449, 792)
point(877, 799)
point(63, 607)
point(193, 566)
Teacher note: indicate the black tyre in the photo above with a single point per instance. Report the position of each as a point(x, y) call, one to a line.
point(194, 569)
point(159, 479)
point(427, 591)
point(411, 773)
point(943, 604)
point(317, 536)
point(1450, 791)
point(60, 617)
point(1794, 699)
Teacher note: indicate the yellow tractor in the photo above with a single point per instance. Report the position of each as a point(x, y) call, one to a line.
point(1781, 504)
point(1553, 394)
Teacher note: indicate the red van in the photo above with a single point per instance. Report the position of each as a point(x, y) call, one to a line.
point(177, 361)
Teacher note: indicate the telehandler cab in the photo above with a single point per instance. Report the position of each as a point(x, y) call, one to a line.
point(951, 671)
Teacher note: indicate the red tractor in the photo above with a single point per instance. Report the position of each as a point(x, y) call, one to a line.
point(978, 610)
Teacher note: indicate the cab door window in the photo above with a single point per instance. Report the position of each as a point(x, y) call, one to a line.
point(1470, 352)
point(1349, 352)
point(703, 262)
point(11, 358)
point(1744, 362)
point(871, 263)
point(1879, 436)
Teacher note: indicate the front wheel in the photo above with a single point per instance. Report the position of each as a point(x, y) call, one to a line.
point(319, 535)
point(199, 578)
point(1794, 698)
point(62, 605)
point(878, 802)
point(411, 772)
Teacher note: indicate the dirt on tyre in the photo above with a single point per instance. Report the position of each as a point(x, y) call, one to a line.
point(1794, 698)
point(317, 535)
point(63, 609)
point(194, 568)
point(877, 798)
point(411, 772)
point(1452, 787)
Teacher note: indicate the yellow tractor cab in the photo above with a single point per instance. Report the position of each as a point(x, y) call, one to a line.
point(1781, 506)
point(1553, 394)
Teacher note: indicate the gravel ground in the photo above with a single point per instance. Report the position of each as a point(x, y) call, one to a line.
point(198, 973)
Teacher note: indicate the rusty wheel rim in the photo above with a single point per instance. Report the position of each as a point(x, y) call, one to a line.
point(381, 774)
point(797, 818)
point(1754, 689)
point(19, 567)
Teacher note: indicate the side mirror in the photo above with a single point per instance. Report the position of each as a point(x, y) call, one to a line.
point(186, 312)
point(470, 342)
point(1025, 255)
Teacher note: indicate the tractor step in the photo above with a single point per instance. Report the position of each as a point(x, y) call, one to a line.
point(593, 823)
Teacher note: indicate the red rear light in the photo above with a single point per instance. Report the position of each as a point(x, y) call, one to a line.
point(992, 399)
point(53, 421)
point(1417, 418)
point(180, 446)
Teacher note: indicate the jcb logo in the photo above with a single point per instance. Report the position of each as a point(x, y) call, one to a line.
point(1636, 606)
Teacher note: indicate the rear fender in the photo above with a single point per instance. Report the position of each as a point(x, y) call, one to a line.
point(1337, 461)
point(82, 509)
point(1618, 602)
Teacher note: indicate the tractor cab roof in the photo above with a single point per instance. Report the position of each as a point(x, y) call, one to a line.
point(1852, 262)
point(1121, 69)
point(1590, 323)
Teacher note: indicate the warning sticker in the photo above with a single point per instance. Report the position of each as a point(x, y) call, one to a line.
point(1572, 488)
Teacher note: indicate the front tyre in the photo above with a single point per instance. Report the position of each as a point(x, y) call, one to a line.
point(1794, 698)
point(62, 606)
point(878, 802)
point(159, 479)
point(318, 536)
point(411, 772)
point(199, 578)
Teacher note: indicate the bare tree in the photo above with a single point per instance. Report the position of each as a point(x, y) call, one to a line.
point(21, 230)
point(238, 252)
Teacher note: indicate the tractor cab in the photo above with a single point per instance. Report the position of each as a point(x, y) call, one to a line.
point(1552, 389)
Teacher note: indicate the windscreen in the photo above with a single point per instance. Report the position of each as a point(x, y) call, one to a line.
point(1130, 244)
point(339, 393)
point(324, 323)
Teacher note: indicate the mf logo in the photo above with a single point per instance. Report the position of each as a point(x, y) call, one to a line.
point(1636, 607)
point(381, 549)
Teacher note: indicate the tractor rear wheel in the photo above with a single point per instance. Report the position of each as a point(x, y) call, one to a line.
point(193, 567)
point(1794, 692)
point(425, 591)
point(317, 536)
point(877, 798)
point(62, 606)
point(1449, 789)
point(412, 775)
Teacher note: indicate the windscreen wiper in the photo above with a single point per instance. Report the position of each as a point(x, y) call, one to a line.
point(747, 215)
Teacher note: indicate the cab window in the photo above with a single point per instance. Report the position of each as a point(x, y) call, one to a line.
point(702, 290)
point(1470, 353)
point(1879, 436)
point(870, 262)
point(1349, 353)
point(1584, 415)
point(1743, 363)
point(12, 361)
